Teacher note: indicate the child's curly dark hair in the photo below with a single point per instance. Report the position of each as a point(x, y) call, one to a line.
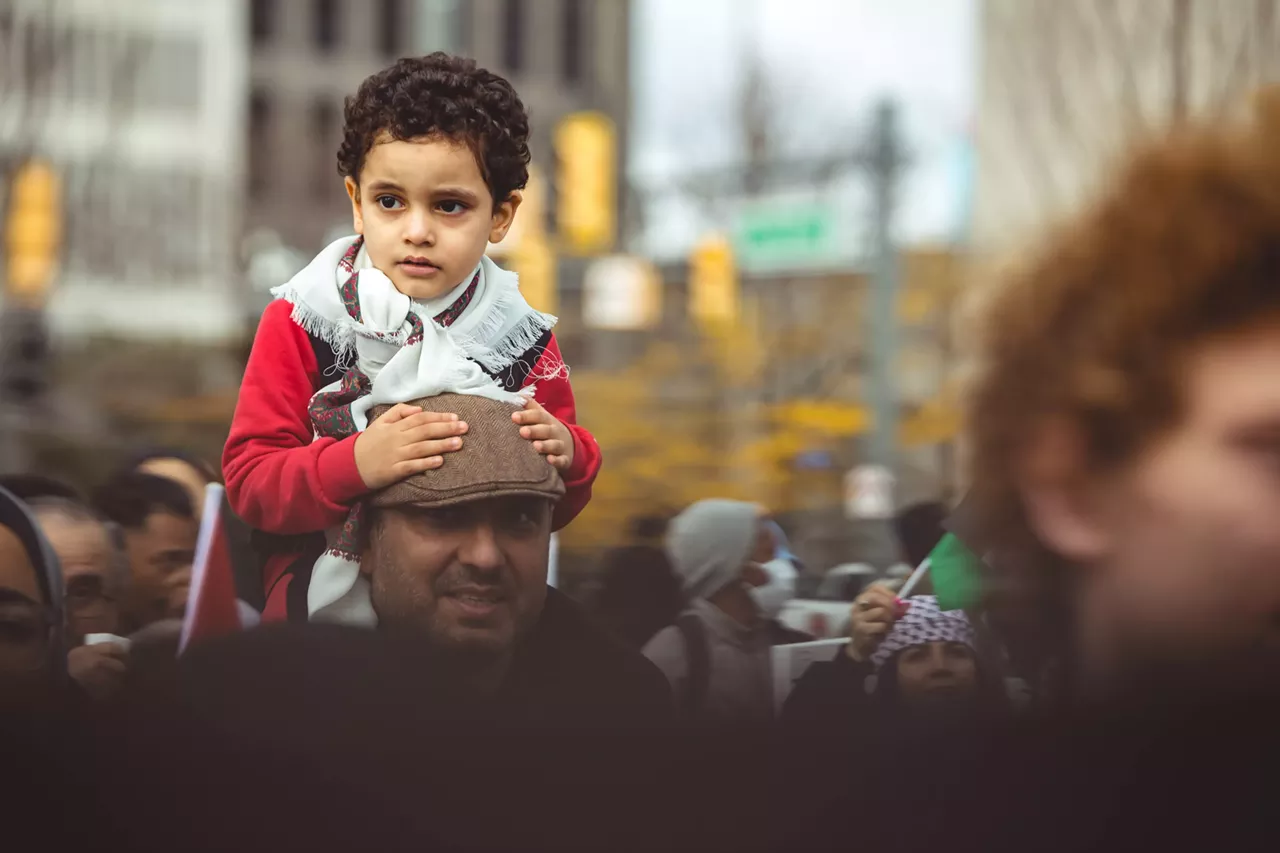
point(441, 95)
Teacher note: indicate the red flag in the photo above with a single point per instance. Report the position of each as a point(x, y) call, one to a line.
point(211, 607)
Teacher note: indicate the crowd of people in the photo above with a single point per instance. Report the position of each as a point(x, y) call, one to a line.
point(406, 444)
point(116, 562)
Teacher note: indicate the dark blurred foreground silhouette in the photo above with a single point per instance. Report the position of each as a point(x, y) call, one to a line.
point(333, 739)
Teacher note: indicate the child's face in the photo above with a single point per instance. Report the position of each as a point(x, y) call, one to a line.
point(426, 213)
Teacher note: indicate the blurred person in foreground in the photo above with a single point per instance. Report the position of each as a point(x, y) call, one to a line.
point(159, 530)
point(95, 578)
point(716, 655)
point(1125, 424)
point(906, 662)
point(33, 665)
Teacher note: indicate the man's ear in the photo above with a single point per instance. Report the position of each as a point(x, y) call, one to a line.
point(503, 215)
point(357, 213)
point(1062, 496)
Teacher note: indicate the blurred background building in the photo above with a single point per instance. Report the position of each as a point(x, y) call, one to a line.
point(137, 105)
point(1065, 85)
point(563, 57)
point(134, 110)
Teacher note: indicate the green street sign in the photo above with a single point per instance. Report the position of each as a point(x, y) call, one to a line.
point(773, 236)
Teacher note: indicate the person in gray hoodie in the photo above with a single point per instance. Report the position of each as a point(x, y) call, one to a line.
point(716, 655)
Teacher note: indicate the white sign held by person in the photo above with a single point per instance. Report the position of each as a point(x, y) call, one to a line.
point(869, 492)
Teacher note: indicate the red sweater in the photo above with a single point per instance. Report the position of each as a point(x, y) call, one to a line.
point(281, 480)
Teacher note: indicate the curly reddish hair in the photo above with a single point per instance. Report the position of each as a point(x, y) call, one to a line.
point(1097, 326)
point(442, 96)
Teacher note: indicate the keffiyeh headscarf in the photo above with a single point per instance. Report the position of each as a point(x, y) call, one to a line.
point(923, 623)
point(389, 349)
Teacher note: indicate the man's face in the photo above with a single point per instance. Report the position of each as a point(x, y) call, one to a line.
point(1181, 549)
point(471, 577)
point(937, 668)
point(85, 552)
point(426, 213)
point(160, 556)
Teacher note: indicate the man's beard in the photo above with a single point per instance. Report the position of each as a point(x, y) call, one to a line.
point(404, 613)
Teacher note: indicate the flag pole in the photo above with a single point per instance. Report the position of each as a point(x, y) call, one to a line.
point(914, 580)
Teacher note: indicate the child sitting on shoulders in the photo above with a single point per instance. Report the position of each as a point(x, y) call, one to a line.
point(434, 156)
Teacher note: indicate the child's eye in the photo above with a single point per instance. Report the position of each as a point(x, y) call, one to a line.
point(452, 207)
point(387, 202)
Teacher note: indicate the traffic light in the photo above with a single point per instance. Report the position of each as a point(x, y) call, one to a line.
point(531, 219)
point(713, 283)
point(33, 234)
point(535, 263)
point(586, 206)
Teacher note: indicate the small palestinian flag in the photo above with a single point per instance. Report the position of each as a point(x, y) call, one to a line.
point(954, 565)
point(211, 608)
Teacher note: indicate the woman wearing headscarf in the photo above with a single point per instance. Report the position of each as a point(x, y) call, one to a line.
point(33, 660)
point(907, 661)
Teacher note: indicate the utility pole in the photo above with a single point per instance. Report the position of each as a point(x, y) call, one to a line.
point(885, 159)
point(24, 365)
point(871, 498)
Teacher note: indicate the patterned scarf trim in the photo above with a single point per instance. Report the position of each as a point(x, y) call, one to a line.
point(488, 341)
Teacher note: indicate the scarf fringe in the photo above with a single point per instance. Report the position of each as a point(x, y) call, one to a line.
point(341, 339)
point(459, 375)
point(494, 357)
point(519, 340)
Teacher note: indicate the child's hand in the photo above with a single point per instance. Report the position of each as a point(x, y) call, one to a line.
point(405, 441)
point(550, 437)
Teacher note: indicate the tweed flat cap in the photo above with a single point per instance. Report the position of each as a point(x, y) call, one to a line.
point(494, 460)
